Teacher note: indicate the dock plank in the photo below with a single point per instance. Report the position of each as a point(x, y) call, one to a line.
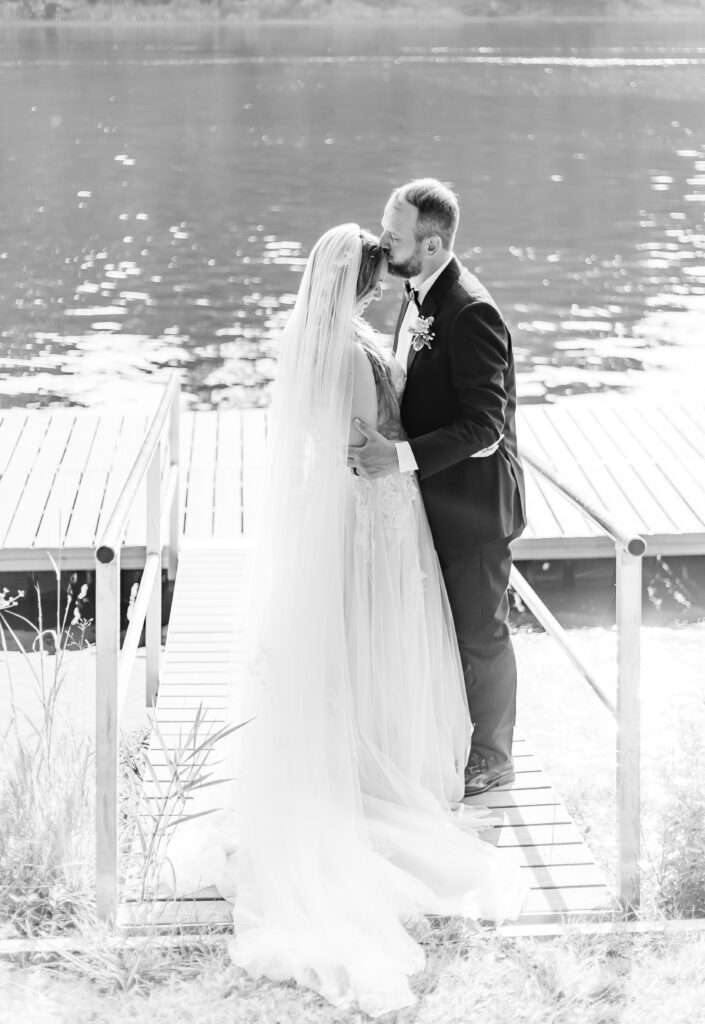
point(643, 463)
point(126, 451)
point(683, 432)
point(254, 432)
point(227, 513)
point(83, 524)
point(652, 443)
point(577, 457)
point(66, 484)
point(660, 504)
point(564, 519)
point(543, 522)
point(19, 468)
point(37, 488)
point(200, 499)
point(185, 452)
point(689, 422)
point(12, 423)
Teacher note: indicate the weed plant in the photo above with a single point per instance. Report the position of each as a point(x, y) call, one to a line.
point(677, 866)
point(47, 775)
point(47, 784)
point(189, 767)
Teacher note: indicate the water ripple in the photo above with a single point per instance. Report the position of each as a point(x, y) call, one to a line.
point(352, 59)
point(145, 227)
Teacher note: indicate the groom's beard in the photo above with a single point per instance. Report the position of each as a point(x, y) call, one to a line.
point(410, 268)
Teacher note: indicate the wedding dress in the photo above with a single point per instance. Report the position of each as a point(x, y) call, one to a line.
point(349, 821)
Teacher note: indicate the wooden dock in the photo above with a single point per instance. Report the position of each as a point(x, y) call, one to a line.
point(644, 463)
point(61, 471)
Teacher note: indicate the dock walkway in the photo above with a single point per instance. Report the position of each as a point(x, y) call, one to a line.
point(61, 470)
point(61, 473)
point(203, 657)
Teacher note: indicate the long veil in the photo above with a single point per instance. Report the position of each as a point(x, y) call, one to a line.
point(328, 867)
point(301, 821)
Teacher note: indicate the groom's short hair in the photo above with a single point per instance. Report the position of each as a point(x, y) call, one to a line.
point(438, 208)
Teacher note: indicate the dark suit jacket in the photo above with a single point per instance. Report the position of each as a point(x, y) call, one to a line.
point(460, 396)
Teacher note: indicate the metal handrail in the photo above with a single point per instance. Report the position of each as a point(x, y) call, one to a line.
point(148, 580)
point(629, 549)
point(115, 527)
point(549, 622)
point(628, 539)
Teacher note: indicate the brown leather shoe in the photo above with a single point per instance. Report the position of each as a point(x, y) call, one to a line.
point(480, 776)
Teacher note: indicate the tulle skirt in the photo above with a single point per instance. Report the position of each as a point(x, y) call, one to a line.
point(326, 871)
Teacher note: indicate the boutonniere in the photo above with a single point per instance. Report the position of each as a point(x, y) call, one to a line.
point(421, 333)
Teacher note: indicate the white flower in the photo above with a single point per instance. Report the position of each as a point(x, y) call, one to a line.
point(421, 333)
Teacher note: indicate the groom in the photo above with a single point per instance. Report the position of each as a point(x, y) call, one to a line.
point(458, 412)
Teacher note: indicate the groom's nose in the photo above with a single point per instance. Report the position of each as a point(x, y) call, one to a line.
point(384, 241)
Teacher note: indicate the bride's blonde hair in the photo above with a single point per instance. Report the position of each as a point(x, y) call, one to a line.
point(372, 260)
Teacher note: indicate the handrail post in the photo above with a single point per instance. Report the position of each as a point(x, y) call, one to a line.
point(110, 675)
point(629, 571)
point(175, 511)
point(106, 735)
point(153, 620)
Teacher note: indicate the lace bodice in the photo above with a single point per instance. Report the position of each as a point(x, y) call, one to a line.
point(390, 502)
point(389, 422)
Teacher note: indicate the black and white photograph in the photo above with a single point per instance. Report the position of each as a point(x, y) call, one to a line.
point(352, 511)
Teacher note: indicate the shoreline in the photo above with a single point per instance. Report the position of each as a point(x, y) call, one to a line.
point(88, 13)
point(373, 20)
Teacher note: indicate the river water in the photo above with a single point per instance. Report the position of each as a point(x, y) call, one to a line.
point(161, 186)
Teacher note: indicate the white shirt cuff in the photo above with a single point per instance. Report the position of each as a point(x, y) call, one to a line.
point(484, 452)
point(407, 462)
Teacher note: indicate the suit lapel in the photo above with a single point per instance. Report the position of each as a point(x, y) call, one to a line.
point(400, 321)
point(428, 306)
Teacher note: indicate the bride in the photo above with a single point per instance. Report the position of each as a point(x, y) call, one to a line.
point(349, 818)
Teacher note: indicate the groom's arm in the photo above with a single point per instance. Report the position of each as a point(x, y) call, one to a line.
point(478, 354)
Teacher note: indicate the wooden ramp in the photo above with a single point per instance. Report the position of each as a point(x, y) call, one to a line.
point(201, 665)
point(203, 658)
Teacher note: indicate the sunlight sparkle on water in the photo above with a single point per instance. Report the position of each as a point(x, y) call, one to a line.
point(580, 167)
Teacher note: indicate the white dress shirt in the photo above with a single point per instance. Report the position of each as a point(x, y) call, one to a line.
point(412, 311)
point(407, 462)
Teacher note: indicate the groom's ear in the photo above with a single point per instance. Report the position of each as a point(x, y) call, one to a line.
point(433, 245)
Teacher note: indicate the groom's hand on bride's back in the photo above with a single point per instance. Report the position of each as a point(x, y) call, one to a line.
point(376, 457)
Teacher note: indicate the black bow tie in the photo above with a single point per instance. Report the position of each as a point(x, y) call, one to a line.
point(411, 294)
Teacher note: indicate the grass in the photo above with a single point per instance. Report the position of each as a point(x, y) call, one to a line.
point(570, 980)
point(46, 788)
point(575, 739)
point(47, 784)
point(678, 868)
